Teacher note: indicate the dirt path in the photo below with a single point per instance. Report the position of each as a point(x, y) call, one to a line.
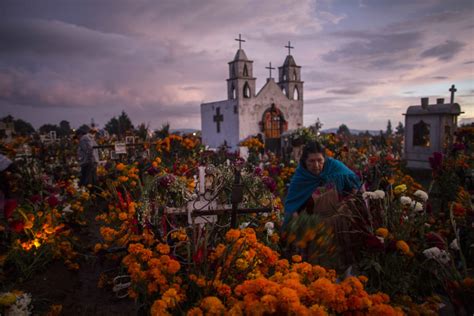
point(77, 291)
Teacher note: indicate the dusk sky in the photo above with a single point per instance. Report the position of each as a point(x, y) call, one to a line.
point(363, 62)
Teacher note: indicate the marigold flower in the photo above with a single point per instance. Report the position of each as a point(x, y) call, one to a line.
point(403, 246)
point(296, 258)
point(195, 311)
point(163, 248)
point(382, 232)
point(120, 166)
point(212, 305)
point(173, 266)
point(399, 189)
point(232, 235)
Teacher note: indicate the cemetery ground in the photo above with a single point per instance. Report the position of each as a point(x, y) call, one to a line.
point(139, 234)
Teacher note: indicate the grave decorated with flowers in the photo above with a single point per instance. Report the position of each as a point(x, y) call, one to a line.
point(187, 231)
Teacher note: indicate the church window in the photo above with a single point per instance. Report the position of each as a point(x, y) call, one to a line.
point(283, 90)
point(284, 76)
point(232, 90)
point(294, 75)
point(246, 90)
point(421, 134)
point(296, 94)
point(246, 72)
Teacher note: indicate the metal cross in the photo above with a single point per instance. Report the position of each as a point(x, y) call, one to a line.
point(452, 90)
point(270, 69)
point(240, 40)
point(218, 118)
point(289, 47)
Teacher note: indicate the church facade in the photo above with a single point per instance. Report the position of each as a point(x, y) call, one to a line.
point(276, 108)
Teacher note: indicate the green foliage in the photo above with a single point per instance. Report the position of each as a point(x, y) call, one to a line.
point(119, 125)
point(343, 130)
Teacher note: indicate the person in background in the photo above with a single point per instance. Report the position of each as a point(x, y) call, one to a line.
point(88, 156)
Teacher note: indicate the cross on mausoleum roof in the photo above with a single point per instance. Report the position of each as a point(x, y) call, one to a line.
point(240, 40)
point(452, 90)
point(218, 118)
point(289, 47)
point(270, 69)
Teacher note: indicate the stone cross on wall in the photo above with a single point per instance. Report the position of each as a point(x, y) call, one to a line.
point(452, 90)
point(270, 69)
point(289, 47)
point(218, 118)
point(240, 40)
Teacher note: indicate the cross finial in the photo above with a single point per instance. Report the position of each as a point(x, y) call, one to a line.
point(240, 40)
point(270, 69)
point(289, 47)
point(452, 90)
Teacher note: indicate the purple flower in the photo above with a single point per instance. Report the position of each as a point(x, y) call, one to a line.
point(270, 183)
point(258, 171)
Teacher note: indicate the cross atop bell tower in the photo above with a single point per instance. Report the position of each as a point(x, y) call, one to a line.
point(289, 77)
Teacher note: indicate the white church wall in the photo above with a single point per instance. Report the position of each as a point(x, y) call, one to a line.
point(229, 127)
point(251, 110)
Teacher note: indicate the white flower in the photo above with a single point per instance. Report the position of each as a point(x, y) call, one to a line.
point(443, 257)
point(67, 209)
point(432, 253)
point(244, 225)
point(269, 225)
point(380, 194)
point(417, 206)
point(382, 240)
point(422, 195)
point(405, 200)
point(454, 244)
point(21, 306)
point(373, 195)
point(367, 195)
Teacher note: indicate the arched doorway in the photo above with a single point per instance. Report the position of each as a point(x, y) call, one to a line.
point(273, 124)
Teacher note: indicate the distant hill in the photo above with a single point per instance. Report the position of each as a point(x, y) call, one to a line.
point(466, 121)
point(353, 131)
point(184, 130)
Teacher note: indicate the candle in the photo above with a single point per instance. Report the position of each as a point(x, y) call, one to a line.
point(202, 178)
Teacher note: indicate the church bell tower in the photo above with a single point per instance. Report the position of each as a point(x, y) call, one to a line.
point(290, 77)
point(241, 83)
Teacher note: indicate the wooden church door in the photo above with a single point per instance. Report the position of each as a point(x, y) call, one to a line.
point(273, 125)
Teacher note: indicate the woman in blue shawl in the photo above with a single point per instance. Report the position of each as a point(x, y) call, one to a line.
point(316, 188)
point(314, 171)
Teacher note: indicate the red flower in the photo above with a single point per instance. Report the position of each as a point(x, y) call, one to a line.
point(10, 206)
point(435, 240)
point(53, 201)
point(17, 226)
point(35, 198)
point(374, 244)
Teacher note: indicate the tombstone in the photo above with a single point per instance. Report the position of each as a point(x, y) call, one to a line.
point(429, 128)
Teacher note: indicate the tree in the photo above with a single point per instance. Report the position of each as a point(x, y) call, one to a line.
point(23, 128)
point(343, 130)
point(164, 131)
point(119, 126)
point(46, 128)
point(142, 131)
point(389, 131)
point(400, 129)
point(64, 128)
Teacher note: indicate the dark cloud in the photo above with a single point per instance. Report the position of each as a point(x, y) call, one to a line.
point(469, 62)
point(409, 92)
point(440, 77)
point(56, 38)
point(445, 51)
point(375, 50)
point(347, 91)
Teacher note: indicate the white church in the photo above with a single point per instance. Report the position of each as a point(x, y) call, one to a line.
point(276, 108)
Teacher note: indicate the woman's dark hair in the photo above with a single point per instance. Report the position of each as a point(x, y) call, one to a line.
point(311, 148)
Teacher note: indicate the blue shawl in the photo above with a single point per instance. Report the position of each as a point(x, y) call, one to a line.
point(304, 183)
